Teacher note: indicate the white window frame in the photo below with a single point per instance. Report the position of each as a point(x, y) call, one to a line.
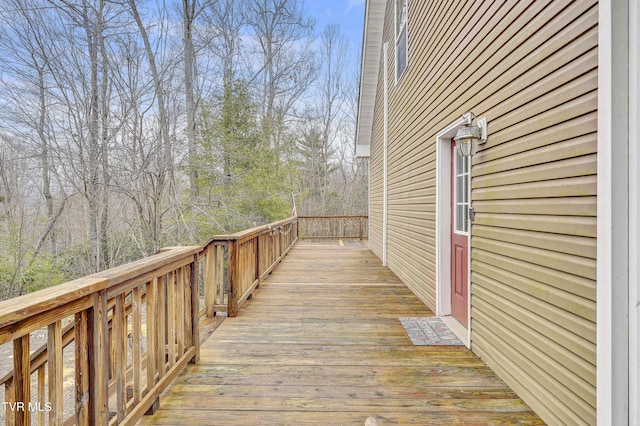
point(401, 31)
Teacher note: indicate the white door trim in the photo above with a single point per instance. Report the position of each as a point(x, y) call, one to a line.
point(612, 319)
point(443, 227)
point(634, 211)
point(385, 149)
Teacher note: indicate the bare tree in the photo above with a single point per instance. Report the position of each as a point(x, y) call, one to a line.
point(224, 22)
point(160, 92)
point(26, 56)
point(189, 10)
point(284, 35)
point(331, 98)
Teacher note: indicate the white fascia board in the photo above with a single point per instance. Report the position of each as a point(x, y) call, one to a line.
point(363, 151)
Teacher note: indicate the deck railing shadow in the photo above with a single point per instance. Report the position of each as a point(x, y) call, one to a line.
point(116, 339)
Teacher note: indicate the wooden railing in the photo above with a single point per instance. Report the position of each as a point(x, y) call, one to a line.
point(333, 227)
point(127, 332)
point(242, 261)
point(121, 360)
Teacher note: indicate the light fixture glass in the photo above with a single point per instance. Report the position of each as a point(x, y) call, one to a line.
point(469, 136)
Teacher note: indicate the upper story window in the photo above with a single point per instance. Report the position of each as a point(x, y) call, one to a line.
point(402, 48)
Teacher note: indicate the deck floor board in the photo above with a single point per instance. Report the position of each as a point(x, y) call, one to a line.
point(320, 343)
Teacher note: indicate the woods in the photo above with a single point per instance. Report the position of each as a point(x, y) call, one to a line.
point(128, 125)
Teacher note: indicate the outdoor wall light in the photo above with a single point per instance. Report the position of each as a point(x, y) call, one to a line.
point(469, 135)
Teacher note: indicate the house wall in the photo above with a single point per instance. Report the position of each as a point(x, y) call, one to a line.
point(376, 171)
point(530, 67)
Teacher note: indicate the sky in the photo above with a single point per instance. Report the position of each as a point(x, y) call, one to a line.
point(349, 14)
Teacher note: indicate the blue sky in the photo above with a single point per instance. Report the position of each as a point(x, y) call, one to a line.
point(349, 14)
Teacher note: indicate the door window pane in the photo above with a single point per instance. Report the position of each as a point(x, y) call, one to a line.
point(461, 192)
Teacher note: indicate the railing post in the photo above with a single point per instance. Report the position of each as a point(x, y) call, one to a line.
point(22, 379)
point(152, 312)
point(99, 359)
point(233, 279)
point(195, 309)
point(210, 279)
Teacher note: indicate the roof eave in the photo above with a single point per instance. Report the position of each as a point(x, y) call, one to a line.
point(369, 70)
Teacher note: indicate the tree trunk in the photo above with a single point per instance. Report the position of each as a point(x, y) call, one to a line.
point(92, 30)
point(188, 10)
point(104, 153)
point(44, 162)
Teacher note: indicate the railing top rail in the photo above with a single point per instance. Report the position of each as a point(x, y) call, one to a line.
point(136, 268)
point(248, 233)
point(28, 305)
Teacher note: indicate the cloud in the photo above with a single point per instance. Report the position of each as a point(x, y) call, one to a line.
point(354, 4)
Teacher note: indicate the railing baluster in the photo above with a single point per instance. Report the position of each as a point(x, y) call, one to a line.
point(136, 341)
point(119, 340)
point(152, 335)
point(83, 391)
point(56, 369)
point(180, 311)
point(10, 396)
point(41, 395)
point(161, 335)
point(332, 227)
point(171, 318)
point(112, 348)
point(188, 305)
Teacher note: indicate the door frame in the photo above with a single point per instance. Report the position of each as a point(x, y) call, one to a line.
point(443, 228)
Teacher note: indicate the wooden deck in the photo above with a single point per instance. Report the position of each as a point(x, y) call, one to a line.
point(320, 343)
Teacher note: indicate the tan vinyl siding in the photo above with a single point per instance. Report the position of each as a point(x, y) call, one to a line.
point(376, 178)
point(530, 67)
